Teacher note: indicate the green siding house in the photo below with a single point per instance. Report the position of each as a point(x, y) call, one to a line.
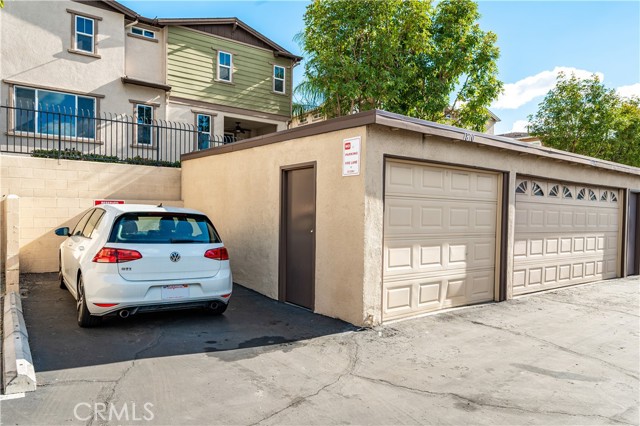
point(228, 79)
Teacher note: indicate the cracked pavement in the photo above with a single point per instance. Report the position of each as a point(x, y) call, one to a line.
point(570, 356)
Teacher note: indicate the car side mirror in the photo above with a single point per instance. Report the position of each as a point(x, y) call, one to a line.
point(63, 232)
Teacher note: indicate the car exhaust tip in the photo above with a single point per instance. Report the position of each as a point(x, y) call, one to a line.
point(214, 306)
point(124, 313)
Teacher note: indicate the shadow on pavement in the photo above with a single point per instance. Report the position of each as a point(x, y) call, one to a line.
point(251, 325)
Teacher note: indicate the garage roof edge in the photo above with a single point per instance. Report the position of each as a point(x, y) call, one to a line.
point(398, 121)
point(340, 123)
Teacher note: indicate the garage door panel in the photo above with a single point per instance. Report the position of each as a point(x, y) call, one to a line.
point(442, 253)
point(406, 216)
point(416, 296)
point(433, 182)
point(534, 247)
point(531, 217)
point(577, 243)
point(435, 254)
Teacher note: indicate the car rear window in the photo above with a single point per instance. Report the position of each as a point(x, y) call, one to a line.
point(163, 228)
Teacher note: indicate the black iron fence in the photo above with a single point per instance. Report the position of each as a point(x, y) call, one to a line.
point(56, 133)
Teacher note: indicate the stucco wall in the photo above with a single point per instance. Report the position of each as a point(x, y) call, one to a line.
point(53, 194)
point(145, 58)
point(240, 191)
point(36, 36)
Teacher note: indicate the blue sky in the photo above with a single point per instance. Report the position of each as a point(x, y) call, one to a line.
point(536, 40)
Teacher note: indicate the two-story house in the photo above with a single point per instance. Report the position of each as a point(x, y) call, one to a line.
point(87, 73)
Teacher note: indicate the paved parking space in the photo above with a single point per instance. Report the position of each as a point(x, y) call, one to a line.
point(569, 356)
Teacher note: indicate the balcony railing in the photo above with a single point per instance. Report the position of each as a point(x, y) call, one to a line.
point(47, 132)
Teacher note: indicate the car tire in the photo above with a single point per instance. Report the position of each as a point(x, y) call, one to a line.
point(60, 277)
point(218, 310)
point(85, 319)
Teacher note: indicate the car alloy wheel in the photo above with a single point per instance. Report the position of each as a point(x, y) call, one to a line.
point(85, 319)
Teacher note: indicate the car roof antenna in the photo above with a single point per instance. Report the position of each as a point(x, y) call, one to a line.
point(160, 205)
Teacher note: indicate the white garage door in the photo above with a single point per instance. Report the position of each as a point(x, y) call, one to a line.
point(439, 238)
point(564, 235)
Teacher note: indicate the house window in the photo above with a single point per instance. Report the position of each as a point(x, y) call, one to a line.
point(54, 113)
point(317, 116)
point(204, 130)
point(278, 79)
point(566, 193)
point(84, 34)
point(144, 115)
point(142, 32)
point(554, 191)
point(225, 63)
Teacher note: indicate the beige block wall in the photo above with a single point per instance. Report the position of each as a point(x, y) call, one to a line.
point(240, 191)
point(383, 141)
point(54, 193)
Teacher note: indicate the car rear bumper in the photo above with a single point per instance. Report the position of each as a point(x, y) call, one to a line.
point(146, 296)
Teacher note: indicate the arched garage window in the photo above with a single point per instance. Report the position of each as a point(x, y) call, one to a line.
point(536, 190)
point(522, 188)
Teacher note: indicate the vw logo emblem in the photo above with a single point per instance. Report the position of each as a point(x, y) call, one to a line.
point(175, 256)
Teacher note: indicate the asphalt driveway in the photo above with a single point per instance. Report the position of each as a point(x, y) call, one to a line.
point(570, 356)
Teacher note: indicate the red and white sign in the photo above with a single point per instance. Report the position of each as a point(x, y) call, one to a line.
point(351, 156)
point(98, 202)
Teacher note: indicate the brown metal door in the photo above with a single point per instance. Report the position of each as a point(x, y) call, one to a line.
point(633, 250)
point(299, 218)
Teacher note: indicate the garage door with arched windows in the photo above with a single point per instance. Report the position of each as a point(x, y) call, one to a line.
point(565, 234)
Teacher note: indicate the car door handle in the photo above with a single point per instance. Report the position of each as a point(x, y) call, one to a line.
point(81, 248)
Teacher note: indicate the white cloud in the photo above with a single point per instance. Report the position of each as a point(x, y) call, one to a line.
point(630, 90)
point(520, 126)
point(524, 91)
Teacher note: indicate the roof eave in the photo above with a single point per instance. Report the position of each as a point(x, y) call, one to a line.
point(278, 50)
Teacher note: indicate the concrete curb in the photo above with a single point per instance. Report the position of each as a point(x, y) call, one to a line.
point(18, 374)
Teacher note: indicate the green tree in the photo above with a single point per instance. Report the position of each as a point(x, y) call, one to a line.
point(407, 57)
point(585, 117)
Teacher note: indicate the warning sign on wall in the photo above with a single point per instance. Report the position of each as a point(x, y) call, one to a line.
point(98, 202)
point(351, 156)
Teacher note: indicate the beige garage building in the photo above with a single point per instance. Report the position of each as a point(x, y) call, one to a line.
point(376, 216)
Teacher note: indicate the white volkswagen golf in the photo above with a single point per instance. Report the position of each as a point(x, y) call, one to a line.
point(126, 259)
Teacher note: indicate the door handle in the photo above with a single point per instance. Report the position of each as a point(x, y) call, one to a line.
point(81, 248)
point(311, 231)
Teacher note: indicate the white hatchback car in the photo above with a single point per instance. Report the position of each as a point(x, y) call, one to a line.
point(126, 259)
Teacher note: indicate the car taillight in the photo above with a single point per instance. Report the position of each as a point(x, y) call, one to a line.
point(113, 255)
point(219, 253)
